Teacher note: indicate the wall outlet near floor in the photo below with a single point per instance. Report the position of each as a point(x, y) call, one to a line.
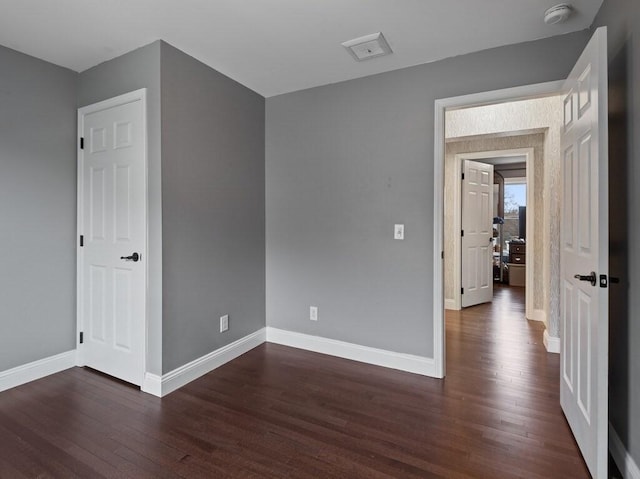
point(224, 323)
point(313, 313)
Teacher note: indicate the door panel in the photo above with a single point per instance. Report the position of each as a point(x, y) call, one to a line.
point(585, 354)
point(585, 245)
point(123, 301)
point(567, 199)
point(567, 334)
point(97, 202)
point(112, 290)
point(97, 301)
point(123, 203)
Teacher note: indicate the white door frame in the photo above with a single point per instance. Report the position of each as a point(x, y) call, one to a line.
point(456, 261)
point(137, 95)
point(476, 99)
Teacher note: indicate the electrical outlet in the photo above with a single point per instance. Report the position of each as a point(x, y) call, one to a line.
point(313, 313)
point(224, 323)
point(398, 232)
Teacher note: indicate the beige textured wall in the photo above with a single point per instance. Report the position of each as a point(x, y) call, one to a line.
point(510, 124)
point(494, 143)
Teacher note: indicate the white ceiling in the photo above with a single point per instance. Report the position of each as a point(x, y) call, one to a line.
point(277, 46)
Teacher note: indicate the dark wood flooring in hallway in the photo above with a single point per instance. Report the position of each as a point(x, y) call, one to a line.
point(281, 412)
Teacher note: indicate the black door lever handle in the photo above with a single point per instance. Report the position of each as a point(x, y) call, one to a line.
point(591, 278)
point(134, 257)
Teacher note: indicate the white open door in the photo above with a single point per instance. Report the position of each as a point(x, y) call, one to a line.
point(112, 225)
point(477, 233)
point(584, 255)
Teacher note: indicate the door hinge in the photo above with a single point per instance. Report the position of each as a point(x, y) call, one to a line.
point(81, 337)
point(81, 240)
point(82, 143)
point(442, 254)
point(603, 281)
point(462, 176)
point(461, 290)
point(461, 232)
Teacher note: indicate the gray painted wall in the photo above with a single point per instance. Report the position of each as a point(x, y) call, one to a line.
point(132, 71)
point(37, 209)
point(213, 208)
point(622, 17)
point(344, 163)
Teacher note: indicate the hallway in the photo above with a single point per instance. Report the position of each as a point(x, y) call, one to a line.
point(497, 361)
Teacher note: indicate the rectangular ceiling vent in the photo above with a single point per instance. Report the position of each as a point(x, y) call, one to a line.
point(369, 46)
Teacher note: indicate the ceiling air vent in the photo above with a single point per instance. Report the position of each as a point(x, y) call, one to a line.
point(369, 46)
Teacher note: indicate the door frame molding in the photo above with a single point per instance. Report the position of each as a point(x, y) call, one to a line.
point(528, 153)
point(440, 106)
point(137, 95)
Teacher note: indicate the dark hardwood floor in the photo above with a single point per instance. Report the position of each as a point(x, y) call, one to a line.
point(280, 412)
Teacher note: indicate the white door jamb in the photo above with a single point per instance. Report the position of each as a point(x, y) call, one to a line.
point(440, 106)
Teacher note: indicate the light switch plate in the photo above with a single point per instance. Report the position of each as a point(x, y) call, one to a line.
point(398, 232)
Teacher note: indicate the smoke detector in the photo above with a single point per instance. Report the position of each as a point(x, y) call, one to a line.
point(558, 14)
point(369, 46)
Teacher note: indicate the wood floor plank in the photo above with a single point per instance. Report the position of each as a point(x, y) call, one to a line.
point(279, 412)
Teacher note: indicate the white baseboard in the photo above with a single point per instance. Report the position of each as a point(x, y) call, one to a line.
point(355, 352)
point(621, 456)
point(551, 344)
point(450, 304)
point(161, 386)
point(36, 370)
point(539, 315)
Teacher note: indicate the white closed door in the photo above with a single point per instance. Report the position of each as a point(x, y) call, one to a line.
point(477, 233)
point(112, 225)
point(584, 255)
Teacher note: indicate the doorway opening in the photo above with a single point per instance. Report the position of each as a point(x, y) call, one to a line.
point(506, 256)
point(452, 110)
point(510, 226)
point(583, 241)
